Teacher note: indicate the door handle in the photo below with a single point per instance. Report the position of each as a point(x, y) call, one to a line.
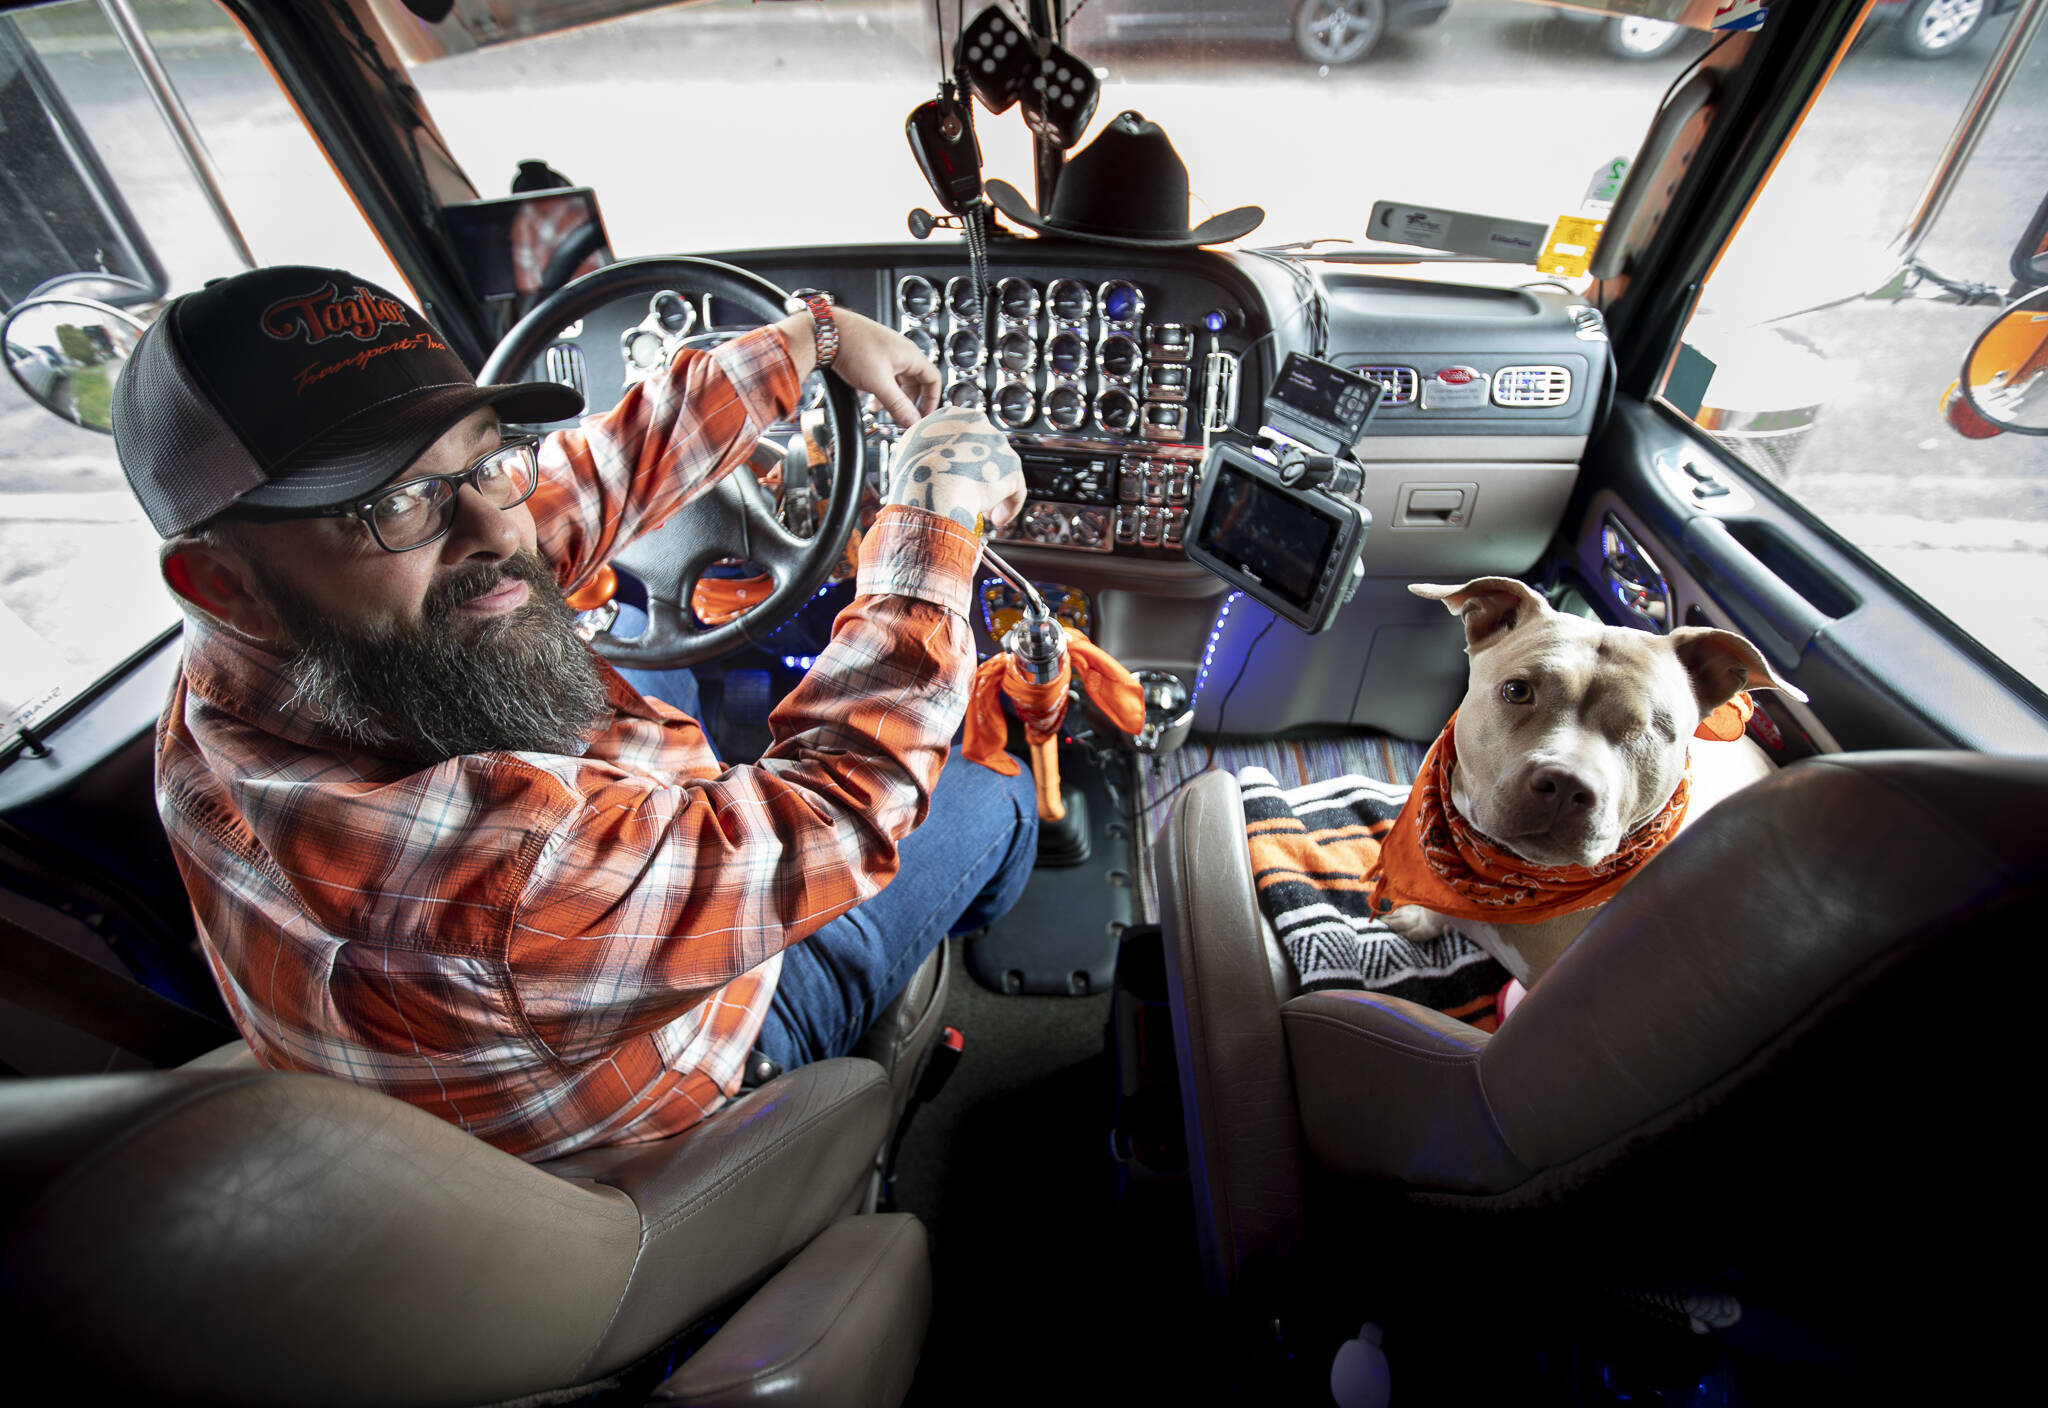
point(1776, 617)
point(1632, 575)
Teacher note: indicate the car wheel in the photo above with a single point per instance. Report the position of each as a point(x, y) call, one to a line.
point(1934, 29)
point(1338, 31)
point(1632, 38)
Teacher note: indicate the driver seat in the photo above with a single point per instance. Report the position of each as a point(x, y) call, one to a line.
point(226, 1234)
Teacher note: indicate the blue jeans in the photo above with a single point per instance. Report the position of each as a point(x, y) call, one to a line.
point(965, 867)
point(962, 869)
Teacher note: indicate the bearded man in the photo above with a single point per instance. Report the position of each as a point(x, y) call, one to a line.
point(437, 846)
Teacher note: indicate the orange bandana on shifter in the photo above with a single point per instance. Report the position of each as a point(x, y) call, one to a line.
point(1433, 857)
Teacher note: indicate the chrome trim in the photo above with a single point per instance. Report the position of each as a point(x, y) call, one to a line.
point(1069, 320)
point(1012, 341)
point(1155, 352)
point(1177, 431)
point(563, 362)
point(1068, 515)
point(1103, 419)
point(1962, 142)
point(973, 336)
point(955, 286)
point(121, 16)
point(929, 320)
point(1008, 319)
point(1064, 392)
point(1554, 389)
point(1399, 385)
point(1081, 370)
point(1003, 414)
point(1219, 394)
point(1168, 393)
point(1102, 361)
point(1130, 324)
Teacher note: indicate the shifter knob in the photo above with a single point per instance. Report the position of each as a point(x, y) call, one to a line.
point(1039, 644)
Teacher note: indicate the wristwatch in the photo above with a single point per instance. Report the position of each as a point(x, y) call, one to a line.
point(824, 328)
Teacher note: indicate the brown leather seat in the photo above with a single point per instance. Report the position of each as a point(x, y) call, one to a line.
point(225, 1234)
point(1793, 1018)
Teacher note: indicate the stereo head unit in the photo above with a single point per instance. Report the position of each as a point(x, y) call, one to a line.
point(1295, 550)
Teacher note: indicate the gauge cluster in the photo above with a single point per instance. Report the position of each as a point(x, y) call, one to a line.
point(1065, 355)
point(1105, 383)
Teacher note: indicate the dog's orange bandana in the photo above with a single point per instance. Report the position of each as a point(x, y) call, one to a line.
point(1433, 857)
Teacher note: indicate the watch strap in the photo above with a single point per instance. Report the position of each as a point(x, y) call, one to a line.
point(824, 326)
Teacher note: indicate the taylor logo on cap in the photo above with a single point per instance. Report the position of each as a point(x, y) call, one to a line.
point(324, 313)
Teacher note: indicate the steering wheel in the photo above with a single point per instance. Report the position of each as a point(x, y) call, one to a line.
point(734, 517)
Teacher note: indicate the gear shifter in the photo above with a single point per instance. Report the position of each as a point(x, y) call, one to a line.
point(1039, 662)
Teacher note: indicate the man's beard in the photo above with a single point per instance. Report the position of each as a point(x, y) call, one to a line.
point(451, 683)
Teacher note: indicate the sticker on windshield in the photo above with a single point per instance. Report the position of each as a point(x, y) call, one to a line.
point(1569, 251)
point(1456, 232)
point(1738, 14)
point(1606, 183)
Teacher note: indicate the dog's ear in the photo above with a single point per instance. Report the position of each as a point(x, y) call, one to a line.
point(1722, 664)
point(1489, 606)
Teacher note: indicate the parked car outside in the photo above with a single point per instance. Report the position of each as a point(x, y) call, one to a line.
point(1920, 29)
point(1322, 31)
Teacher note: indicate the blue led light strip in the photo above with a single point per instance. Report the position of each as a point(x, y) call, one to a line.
point(1209, 655)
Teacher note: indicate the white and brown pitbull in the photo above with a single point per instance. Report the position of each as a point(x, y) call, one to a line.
point(1571, 736)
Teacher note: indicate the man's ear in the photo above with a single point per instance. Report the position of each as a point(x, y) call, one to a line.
point(1722, 664)
point(1490, 607)
point(217, 582)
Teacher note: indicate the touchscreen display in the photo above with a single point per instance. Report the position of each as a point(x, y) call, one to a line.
point(1267, 535)
point(1325, 393)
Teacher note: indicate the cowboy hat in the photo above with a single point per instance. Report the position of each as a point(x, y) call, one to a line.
point(1128, 187)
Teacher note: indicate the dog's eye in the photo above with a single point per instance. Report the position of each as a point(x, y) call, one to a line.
point(1517, 692)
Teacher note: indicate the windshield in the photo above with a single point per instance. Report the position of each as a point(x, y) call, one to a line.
point(731, 125)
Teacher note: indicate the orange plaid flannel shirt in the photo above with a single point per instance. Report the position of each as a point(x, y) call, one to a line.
point(554, 952)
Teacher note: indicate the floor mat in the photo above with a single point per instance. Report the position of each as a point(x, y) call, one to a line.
point(1292, 761)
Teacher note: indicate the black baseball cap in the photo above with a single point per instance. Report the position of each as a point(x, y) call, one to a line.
point(292, 387)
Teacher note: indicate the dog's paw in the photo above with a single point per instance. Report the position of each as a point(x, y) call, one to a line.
point(1414, 923)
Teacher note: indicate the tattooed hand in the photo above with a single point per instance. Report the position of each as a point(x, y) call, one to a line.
point(957, 463)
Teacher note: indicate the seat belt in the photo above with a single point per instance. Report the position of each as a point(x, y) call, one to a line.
point(52, 981)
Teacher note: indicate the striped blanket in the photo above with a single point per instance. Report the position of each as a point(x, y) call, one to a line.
point(1311, 850)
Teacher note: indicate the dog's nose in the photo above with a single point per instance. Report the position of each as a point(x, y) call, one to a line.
point(1562, 791)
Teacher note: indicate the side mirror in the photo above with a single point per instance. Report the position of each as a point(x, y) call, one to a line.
point(2005, 377)
point(66, 354)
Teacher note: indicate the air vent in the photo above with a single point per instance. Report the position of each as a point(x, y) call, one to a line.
point(563, 362)
point(1398, 385)
point(1532, 388)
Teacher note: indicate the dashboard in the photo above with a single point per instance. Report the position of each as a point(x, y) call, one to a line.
point(1115, 370)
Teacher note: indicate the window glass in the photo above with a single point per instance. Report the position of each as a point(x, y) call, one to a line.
point(79, 589)
point(730, 125)
point(1833, 338)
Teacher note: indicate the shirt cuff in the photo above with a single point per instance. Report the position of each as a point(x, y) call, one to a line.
point(911, 552)
point(762, 373)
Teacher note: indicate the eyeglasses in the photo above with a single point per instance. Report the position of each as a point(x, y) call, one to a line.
point(421, 511)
